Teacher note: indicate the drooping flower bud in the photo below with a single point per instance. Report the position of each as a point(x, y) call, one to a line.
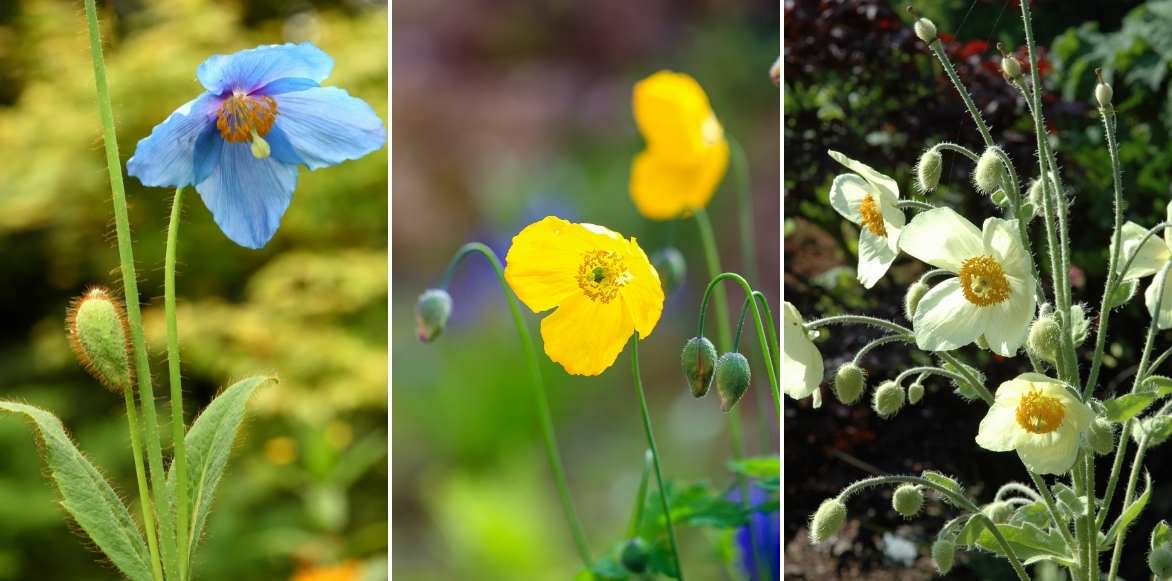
point(431, 314)
point(849, 382)
point(732, 379)
point(636, 555)
point(1045, 338)
point(998, 511)
point(672, 268)
point(911, 299)
point(928, 170)
point(907, 500)
point(943, 554)
point(990, 172)
point(98, 335)
point(925, 30)
point(1160, 562)
point(827, 520)
point(1101, 436)
point(888, 399)
point(915, 393)
point(698, 360)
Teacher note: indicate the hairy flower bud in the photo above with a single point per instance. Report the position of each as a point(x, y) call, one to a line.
point(1155, 429)
point(888, 399)
point(98, 335)
point(672, 268)
point(827, 520)
point(925, 30)
point(1101, 436)
point(698, 360)
point(915, 393)
point(1035, 195)
point(998, 512)
point(1045, 338)
point(989, 172)
point(911, 299)
point(1160, 562)
point(943, 553)
point(907, 500)
point(849, 382)
point(636, 555)
point(732, 379)
point(1103, 94)
point(1010, 67)
point(431, 314)
point(928, 170)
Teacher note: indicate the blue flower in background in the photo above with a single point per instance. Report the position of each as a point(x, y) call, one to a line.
point(240, 143)
point(765, 531)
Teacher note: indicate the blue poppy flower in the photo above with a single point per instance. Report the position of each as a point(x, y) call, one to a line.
point(241, 142)
point(763, 533)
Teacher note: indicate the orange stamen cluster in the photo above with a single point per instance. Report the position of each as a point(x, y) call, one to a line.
point(872, 216)
point(1040, 414)
point(240, 116)
point(601, 275)
point(983, 282)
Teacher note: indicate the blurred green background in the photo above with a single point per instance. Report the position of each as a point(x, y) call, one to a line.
point(307, 484)
point(506, 111)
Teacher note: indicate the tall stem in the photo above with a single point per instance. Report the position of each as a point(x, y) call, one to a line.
point(714, 286)
point(740, 168)
point(1113, 263)
point(178, 427)
point(540, 397)
point(146, 392)
point(664, 504)
point(144, 493)
point(1136, 465)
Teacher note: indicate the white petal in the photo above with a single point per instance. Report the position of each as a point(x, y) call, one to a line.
point(1165, 320)
point(847, 193)
point(1008, 322)
point(801, 363)
point(946, 320)
point(877, 179)
point(999, 430)
point(893, 221)
point(1052, 453)
point(1003, 239)
point(1152, 255)
point(875, 257)
point(1168, 231)
point(942, 238)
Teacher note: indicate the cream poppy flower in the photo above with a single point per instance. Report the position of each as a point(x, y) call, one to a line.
point(867, 198)
point(801, 362)
point(993, 292)
point(1036, 416)
point(1152, 256)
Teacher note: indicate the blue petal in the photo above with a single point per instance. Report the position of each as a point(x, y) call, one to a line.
point(248, 196)
point(286, 85)
point(166, 156)
point(249, 70)
point(207, 153)
point(281, 148)
point(327, 126)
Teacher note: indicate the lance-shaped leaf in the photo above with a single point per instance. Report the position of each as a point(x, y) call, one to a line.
point(86, 495)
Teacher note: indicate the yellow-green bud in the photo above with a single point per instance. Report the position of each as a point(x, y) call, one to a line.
point(698, 360)
point(1010, 67)
point(849, 381)
point(1103, 94)
point(98, 334)
point(1101, 436)
point(911, 299)
point(671, 266)
point(989, 171)
point(943, 553)
point(915, 393)
point(1160, 562)
point(998, 512)
point(928, 170)
point(925, 30)
point(636, 555)
point(732, 379)
point(431, 314)
point(907, 500)
point(827, 520)
point(1045, 338)
point(888, 399)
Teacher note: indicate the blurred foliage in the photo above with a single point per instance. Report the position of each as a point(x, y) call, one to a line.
point(305, 492)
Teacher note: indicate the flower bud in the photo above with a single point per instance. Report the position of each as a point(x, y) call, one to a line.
point(1045, 338)
point(98, 335)
point(925, 30)
point(911, 299)
point(1160, 562)
point(907, 500)
point(1010, 68)
point(943, 553)
point(915, 393)
point(989, 172)
point(998, 512)
point(732, 379)
point(699, 361)
point(1103, 94)
point(431, 314)
point(671, 266)
point(1156, 429)
point(849, 382)
point(636, 555)
point(1036, 195)
point(827, 520)
point(928, 170)
point(1101, 436)
point(888, 399)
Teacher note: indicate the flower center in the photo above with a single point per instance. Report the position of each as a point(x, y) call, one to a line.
point(602, 274)
point(983, 281)
point(872, 216)
point(244, 117)
point(1040, 414)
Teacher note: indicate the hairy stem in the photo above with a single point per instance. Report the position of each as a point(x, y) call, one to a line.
point(178, 427)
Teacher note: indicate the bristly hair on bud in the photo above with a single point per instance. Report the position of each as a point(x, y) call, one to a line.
point(915, 393)
point(888, 399)
point(698, 359)
point(925, 29)
point(431, 314)
point(998, 511)
point(732, 379)
point(943, 554)
point(907, 500)
point(1101, 436)
point(1160, 562)
point(990, 172)
point(1044, 339)
point(100, 338)
point(827, 520)
point(849, 382)
point(1010, 66)
point(928, 170)
point(911, 299)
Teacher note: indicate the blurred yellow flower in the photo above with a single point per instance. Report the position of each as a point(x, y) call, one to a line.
point(686, 155)
point(603, 286)
point(348, 571)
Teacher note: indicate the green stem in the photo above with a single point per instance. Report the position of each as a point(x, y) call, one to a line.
point(947, 146)
point(774, 338)
point(740, 167)
point(927, 370)
point(1078, 479)
point(146, 392)
point(938, 50)
point(1092, 529)
point(540, 397)
point(865, 349)
point(712, 258)
point(640, 496)
point(144, 496)
point(1136, 465)
point(1112, 263)
point(714, 287)
point(647, 431)
point(1052, 507)
point(178, 427)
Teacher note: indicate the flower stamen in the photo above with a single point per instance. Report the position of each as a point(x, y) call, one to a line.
point(1040, 414)
point(242, 116)
point(983, 282)
point(871, 216)
point(602, 274)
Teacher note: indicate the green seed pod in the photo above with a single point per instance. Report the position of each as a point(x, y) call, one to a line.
point(1101, 436)
point(998, 512)
point(943, 553)
point(907, 500)
point(1010, 68)
point(732, 379)
point(888, 399)
point(989, 171)
point(1045, 338)
point(827, 520)
point(911, 299)
point(698, 360)
point(928, 170)
point(925, 30)
point(636, 555)
point(1160, 562)
point(849, 382)
point(99, 337)
point(915, 393)
point(431, 314)
point(672, 268)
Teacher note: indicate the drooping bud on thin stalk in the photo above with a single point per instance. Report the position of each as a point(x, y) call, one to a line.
point(888, 399)
point(1101, 436)
point(1045, 338)
point(911, 299)
point(915, 393)
point(990, 171)
point(943, 554)
point(732, 379)
point(928, 170)
point(698, 360)
point(431, 314)
point(849, 383)
point(827, 520)
point(99, 337)
point(907, 500)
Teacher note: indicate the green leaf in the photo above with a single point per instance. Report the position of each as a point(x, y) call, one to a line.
point(1128, 406)
point(1069, 503)
point(944, 481)
point(1132, 512)
point(1158, 384)
point(87, 496)
point(1026, 540)
point(757, 468)
point(1161, 534)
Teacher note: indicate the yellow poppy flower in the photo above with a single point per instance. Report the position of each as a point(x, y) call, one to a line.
point(686, 155)
point(603, 286)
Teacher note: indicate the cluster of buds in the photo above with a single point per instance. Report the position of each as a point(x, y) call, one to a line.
point(730, 372)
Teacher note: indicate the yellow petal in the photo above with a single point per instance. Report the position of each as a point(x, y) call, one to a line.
point(664, 189)
point(586, 336)
point(643, 295)
point(542, 263)
point(672, 111)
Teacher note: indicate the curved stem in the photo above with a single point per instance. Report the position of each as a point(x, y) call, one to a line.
point(1016, 487)
point(541, 399)
point(774, 338)
point(144, 493)
point(740, 170)
point(858, 320)
point(865, 349)
point(713, 288)
point(146, 392)
point(1051, 506)
point(647, 431)
point(178, 429)
point(948, 146)
point(927, 370)
point(917, 204)
point(963, 370)
point(712, 258)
